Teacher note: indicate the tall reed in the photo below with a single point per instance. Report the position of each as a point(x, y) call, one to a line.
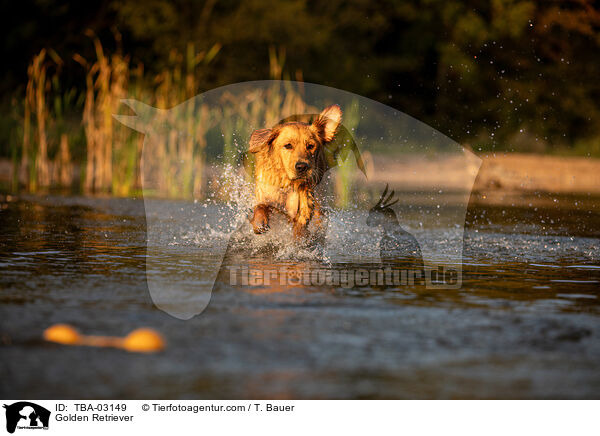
point(111, 151)
point(344, 177)
point(106, 84)
point(35, 163)
point(35, 148)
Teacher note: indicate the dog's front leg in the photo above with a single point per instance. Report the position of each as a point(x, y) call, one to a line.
point(305, 214)
point(260, 218)
point(318, 217)
point(321, 221)
point(300, 228)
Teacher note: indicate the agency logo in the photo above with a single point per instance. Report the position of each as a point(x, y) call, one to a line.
point(26, 415)
point(382, 191)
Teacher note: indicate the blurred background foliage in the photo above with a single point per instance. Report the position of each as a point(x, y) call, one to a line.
point(513, 75)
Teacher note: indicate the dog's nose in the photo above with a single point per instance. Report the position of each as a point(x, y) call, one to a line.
point(301, 166)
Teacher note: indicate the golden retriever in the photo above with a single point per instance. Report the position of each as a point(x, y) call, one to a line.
point(290, 162)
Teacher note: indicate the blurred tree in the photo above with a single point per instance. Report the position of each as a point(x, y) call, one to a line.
point(512, 74)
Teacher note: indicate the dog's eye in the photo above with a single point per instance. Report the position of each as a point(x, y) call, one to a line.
point(288, 146)
point(310, 146)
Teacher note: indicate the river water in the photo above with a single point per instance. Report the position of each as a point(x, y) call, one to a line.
point(524, 324)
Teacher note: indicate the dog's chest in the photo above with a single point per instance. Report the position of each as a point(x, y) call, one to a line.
point(279, 192)
point(287, 200)
point(292, 203)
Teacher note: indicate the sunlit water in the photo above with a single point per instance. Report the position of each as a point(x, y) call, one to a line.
point(525, 323)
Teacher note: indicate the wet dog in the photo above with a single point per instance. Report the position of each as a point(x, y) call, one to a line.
point(290, 162)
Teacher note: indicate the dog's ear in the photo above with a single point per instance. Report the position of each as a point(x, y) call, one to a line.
point(260, 138)
point(327, 122)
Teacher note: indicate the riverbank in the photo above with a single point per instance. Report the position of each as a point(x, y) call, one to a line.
point(500, 173)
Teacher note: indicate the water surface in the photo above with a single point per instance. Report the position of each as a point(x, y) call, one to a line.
point(525, 324)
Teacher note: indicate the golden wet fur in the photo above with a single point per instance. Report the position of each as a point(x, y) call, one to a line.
point(289, 164)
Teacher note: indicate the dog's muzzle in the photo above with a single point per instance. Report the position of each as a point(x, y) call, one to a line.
point(301, 167)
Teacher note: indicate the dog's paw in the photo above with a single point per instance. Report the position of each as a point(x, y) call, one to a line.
point(300, 232)
point(260, 229)
point(260, 221)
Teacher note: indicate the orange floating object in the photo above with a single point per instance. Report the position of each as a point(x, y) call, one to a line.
point(62, 334)
point(143, 340)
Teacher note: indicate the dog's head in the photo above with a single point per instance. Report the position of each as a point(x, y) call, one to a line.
point(298, 145)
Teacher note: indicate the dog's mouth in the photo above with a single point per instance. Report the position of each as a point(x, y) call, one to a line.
point(305, 175)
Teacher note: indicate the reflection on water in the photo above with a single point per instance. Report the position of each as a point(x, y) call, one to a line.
point(524, 323)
